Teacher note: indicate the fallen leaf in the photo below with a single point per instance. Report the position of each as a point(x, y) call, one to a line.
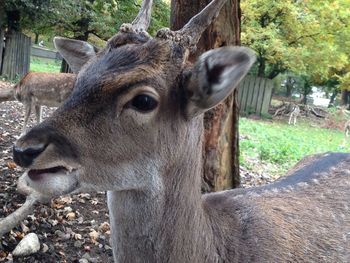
point(104, 227)
point(94, 235)
point(11, 165)
point(70, 216)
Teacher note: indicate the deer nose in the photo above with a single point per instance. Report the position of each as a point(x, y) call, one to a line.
point(25, 157)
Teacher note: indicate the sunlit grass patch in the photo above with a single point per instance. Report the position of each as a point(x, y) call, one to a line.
point(284, 145)
point(44, 65)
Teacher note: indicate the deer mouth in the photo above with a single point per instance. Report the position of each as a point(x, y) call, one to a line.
point(39, 174)
point(53, 181)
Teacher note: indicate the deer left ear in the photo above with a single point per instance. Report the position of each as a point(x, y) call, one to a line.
point(215, 75)
point(75, 52)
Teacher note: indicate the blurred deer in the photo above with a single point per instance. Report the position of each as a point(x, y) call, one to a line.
point(133, 126)
point(347, 128)
point(37, 89)
point(295, 112)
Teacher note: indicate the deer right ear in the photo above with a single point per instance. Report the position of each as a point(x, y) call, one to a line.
point(214, 76)
point(75, 52)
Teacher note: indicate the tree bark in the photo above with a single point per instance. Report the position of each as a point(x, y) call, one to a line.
point(261, 67)
point(36, 39)
point(2, 15)
point(289, 86)
point(344, 97)
point(221, 139)
point(13, 20)
point(332, 98)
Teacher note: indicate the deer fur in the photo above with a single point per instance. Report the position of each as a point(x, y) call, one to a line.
point(37, 89)
point(7, 94)
point(133, 126)
point(347, 128)
point(295, 112)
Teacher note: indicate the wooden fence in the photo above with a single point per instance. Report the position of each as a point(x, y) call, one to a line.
point(45, 53)
point(254, 95)
point(16, 58)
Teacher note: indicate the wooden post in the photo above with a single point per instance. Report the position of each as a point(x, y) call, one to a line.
point(17, 55)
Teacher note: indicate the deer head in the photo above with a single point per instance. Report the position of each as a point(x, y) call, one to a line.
point(135, 110)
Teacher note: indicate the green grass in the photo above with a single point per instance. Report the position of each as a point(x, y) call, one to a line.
point(44, 65)
point(282, 145)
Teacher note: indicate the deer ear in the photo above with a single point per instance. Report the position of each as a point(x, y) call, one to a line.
point(75, 52)
point(215, 75)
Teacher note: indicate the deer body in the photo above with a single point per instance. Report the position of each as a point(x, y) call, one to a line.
point(133, 126)
point(295, 219)
point(294, 114)
point(347, 128)
point(38, 89)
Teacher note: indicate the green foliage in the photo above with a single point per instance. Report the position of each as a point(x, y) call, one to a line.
point(310, 38)
point(284, 145)
point(32, 14)
point(266, 116)
point(80, 18)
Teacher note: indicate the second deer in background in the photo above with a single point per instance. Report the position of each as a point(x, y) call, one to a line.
point(37, 89)
point(295, 112)
point(347, 128)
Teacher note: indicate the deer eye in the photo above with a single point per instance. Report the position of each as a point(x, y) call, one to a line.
point(144, 103)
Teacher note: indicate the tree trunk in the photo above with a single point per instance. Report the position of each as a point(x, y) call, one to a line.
point(221, 140)
point(13, 20)
point(332, 98)
point(2, 32)
point(344, 97)
point(289, 86)
point(36, 39)
point(261, 67)
point(2, 15)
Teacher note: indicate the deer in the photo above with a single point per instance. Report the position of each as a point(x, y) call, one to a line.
point(347, 128)
point(133, 127)
point(295, 112)
point(37, 89)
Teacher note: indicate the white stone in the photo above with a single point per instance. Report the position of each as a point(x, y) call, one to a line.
point(29, 245)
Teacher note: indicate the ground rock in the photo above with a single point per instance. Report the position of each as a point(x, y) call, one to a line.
point(29, 245)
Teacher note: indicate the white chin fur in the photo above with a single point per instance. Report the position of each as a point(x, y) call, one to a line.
point(54, 184)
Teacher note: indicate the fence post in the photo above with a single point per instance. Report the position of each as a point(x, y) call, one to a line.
point(255, 95)
point(16, 59)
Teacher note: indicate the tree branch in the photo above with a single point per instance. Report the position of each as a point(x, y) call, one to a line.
point(301, 37)
point(14, 219)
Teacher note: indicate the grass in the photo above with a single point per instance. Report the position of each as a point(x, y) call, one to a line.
point(44, 65)
point(282, 145)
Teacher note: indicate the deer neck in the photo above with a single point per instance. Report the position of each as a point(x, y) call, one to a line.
point(165, 223)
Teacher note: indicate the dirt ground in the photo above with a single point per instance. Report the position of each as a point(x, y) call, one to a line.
point(4, 84)
point(69, 228)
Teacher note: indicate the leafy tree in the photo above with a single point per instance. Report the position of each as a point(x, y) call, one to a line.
point(80, 18)
point(306, 37)
point(24, 14)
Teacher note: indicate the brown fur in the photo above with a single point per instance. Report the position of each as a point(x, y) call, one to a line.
point(151, 165)
point(7, 94)
point(38, 89)
point(347, 128)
